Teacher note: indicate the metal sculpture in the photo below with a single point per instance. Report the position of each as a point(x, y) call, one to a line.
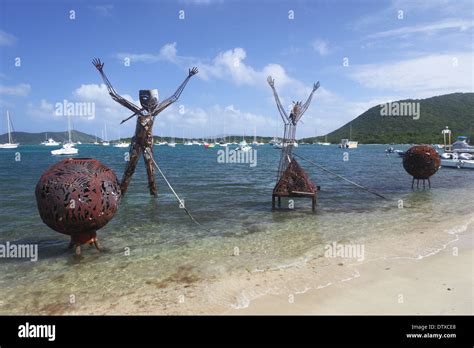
point(292, 181)
point(142, 142)
point(421, 162)
point(77, 197)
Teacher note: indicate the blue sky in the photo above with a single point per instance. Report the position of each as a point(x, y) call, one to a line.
point(394, 49)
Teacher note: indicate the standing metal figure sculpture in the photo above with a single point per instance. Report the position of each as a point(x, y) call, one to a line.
point(292, 181)
point(142, 142)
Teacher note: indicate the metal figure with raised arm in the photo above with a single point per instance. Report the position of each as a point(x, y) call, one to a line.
point(290, 122)
point(142, 142)
point(292, 181)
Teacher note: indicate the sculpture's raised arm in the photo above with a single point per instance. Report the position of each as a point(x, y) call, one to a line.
point(115, 96)
point(282, 111)
point(168, 101)
point(306, 104)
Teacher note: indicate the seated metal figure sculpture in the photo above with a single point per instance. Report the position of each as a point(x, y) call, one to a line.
point(142, 142)
point(292, 181)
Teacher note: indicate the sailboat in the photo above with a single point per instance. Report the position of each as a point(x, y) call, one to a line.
point(348, 143)
point(325, 141)
point(10, 144)
point(172, 143)
point(243, 146)
point(68, 147)
point(96, 142)
point(105, 142)
point(243, 142)
point(255, 142)
point(121, 143)
point(50, 141)
point(161, 143)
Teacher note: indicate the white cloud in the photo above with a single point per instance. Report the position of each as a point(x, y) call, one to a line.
point(214, 120)
point(106, 110)
point(426, 28)
point(420, 77)
point(201, 2)
point(42, 110)
point(321, 47)
point(103, 10)
point(413, 9)
point(20, 90)
point(6, 39)
point(167, 53)
point(228, 65)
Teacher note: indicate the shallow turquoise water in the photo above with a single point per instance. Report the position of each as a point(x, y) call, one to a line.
point(232, 201)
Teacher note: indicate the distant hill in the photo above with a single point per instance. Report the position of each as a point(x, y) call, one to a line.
point(454, 110)
point(25, 138)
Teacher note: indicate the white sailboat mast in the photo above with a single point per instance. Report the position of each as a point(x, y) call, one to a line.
point(9, 128)
point(69, 127)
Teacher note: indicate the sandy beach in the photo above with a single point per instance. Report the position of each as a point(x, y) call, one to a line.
point(439, 282)
point(436, 284)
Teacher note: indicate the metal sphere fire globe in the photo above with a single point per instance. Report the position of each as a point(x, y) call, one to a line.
point(421, 162)
point(77, 197)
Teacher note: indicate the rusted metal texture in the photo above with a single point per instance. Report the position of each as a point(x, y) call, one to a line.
point(294, 179)
point(78, 196)
point(421, 161)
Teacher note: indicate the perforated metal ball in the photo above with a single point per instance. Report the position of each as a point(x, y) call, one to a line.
point(421, 161)
point(78, 196)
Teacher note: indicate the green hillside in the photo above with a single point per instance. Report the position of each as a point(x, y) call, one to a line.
point(454, 110)
point(25, 138)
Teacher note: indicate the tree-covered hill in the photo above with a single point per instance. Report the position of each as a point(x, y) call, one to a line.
point(453, 110)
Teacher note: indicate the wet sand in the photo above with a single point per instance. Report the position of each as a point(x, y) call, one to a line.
point(436, 284)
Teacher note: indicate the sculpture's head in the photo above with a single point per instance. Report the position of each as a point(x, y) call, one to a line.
point(296, 108)
point(149, 98)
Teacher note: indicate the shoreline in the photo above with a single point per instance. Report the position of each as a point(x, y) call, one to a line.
point(440, 283)
point(419, 265)
point(436, 283)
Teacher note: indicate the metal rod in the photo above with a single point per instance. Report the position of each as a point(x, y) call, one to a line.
point(340, 176)
point(181, 202)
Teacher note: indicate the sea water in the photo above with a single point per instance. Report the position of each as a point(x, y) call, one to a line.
point(151, 242)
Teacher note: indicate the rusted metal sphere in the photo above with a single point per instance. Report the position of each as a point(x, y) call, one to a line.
point(421, 161)
point(78, 196)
